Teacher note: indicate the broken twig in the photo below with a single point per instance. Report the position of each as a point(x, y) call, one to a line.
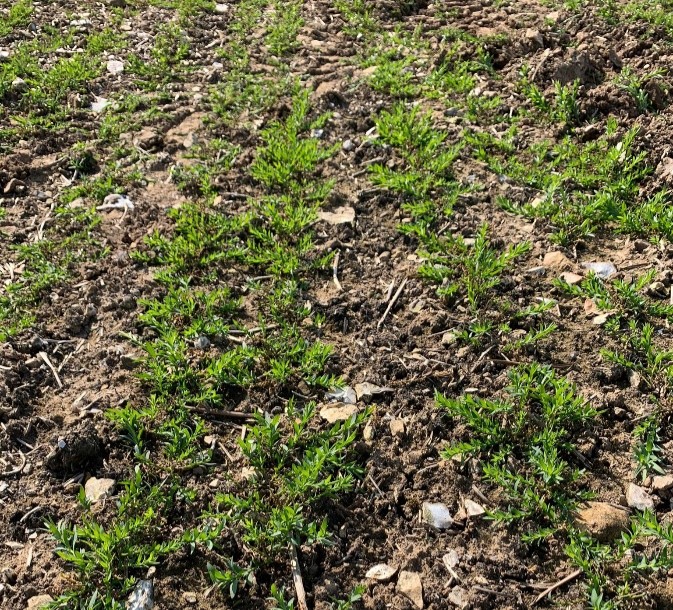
point(296, 578)
point(556, 585)
point(335, 270)
point(16, 470)
point(392, 302)
point(44, 357)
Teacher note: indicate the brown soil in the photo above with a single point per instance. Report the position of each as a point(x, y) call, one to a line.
point(80, 324)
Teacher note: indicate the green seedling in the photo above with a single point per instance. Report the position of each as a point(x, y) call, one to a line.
point(525, 442)
point(637, 85)
point(426, 184)
point(648, 451)
point(108, 558)
point(585, 188)
point(469, 270)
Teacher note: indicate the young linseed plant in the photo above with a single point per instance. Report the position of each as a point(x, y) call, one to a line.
point(297, 469)
point(472, 271)
point(584, 188)
point(425, 184)
point(526, 445)
point(108, 558)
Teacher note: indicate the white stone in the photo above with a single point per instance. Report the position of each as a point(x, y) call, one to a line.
point(381, 571)
point(437, 515)
point(114, 66)
point(638, 498)
point(98, 489)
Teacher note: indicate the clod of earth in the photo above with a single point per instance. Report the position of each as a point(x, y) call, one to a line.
point(557, 260)
point(39, 602)
point(190, 597)
point(571, 278)
point(340, 215)
point(410, 585)
point(338, 412)
point(397, 427)
point(662, 483)
point(459, 597)
point(604, 521)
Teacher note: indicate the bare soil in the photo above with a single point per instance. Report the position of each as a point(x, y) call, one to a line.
point(93, 367)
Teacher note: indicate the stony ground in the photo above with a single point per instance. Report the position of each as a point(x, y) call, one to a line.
point(352, 304)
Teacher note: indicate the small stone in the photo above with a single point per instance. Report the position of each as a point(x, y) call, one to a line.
point(202, 342)
point(557, 260)
point(397, 427)
point(368, 433)
point(142, 597)
point(409, 584)
point(19, 85)
point(99, 104)
point(317, 133)
point(221, 8)
point(437, 515)
point(190, 140)
point(39, 601)
point(366, 390)
point(449, 338)
point(4, 56)
point(590, 307)
point(114, 66)
point(341, 215)
point(603, 521)
point(601, 269)
point(459, 597)
point(381, 572)
point(662, 483)
point(638, 498)
point(601, 319)
point(657, 290)
point(348, 145)
point(98, 489)
point(451, 559)
point(571, 278)
point(338, 411)
point(189, 597)
point(536, 271)
point(13, 186)
point(473, 509)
